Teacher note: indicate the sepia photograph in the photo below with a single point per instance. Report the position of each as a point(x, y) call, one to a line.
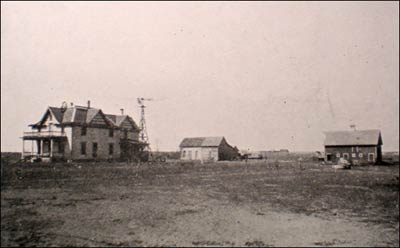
point(200, 124)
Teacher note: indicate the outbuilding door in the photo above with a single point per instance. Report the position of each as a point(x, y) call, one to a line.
point(371, 157)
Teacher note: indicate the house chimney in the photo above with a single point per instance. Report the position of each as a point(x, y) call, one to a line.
point(122, 111)
point(64, 106)
point(72, 104)
point(88, 104)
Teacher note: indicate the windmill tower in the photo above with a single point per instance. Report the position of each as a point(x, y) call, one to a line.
point(143, 136)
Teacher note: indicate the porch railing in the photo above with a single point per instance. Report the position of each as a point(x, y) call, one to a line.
point(44, 134)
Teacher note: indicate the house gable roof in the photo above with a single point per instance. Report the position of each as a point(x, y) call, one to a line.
point(202, 142)
point(57, 113)
point(83, 115)
point(50, 111)
point(122, 121)
point(90, 114)
point(359, 137)
point(116, 119)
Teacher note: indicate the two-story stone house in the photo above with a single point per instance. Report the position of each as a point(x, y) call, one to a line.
point(79, 133)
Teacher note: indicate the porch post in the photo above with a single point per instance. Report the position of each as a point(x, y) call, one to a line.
point(51, 148)
point(38, 146)
point(41, 147)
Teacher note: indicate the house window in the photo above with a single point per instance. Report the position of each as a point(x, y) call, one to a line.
point(111, 149)
point(356, 148)
point(183, 154)
point(345, 155)
point(353, 155)
point(125, 134)
point(62, 130)
point(352, 149)
point(111, 133)
point(94, 150)
point(83, 148)
point(360, 154)
point(338, 155)
point(83, 131)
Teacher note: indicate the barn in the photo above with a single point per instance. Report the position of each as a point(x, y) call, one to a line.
point(358, 146)
point(207, 149)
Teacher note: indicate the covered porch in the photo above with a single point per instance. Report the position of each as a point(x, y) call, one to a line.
point(46, 146)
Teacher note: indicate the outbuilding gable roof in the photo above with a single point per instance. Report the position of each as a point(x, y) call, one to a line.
point(201, 142)
point(359, 137)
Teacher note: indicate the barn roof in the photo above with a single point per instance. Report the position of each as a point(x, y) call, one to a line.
point(359, 137)
point(201, 142)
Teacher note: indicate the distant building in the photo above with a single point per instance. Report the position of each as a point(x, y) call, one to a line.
point(359, 147)
point(253, 155)
point(207, 149)
point(80, 133)
point(275, 154)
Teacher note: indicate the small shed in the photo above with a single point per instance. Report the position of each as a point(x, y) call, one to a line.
point(207, 149)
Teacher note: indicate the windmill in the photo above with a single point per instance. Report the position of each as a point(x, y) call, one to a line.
point(143, 136)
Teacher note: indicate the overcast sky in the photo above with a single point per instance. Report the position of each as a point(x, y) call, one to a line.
point(266, 75)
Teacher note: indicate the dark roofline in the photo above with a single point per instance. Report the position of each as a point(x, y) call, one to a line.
point(199, 146)
point(188, 138)
point(364, 145)
point(332, 137)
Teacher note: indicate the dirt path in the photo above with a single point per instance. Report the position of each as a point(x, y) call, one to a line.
point(188, 218)
point(240, 226)
point(214, 208)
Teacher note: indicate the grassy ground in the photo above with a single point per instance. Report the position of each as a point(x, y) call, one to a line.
point(187, 204)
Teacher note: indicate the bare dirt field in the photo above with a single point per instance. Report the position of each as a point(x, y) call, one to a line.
point(186, 204)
